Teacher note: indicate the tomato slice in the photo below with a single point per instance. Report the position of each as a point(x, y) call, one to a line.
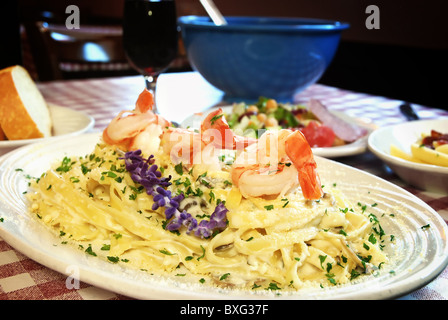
point(318, 135)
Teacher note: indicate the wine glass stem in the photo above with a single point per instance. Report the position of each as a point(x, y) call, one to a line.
point(150, 82)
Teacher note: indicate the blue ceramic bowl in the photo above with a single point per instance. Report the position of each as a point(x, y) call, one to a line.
point(260, 56)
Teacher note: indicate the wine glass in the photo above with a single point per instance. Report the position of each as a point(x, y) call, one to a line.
point(150, 37)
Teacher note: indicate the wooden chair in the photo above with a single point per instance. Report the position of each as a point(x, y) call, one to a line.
point(89, 52)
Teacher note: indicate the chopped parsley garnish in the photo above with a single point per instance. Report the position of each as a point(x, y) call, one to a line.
point(273, 286)
point(66, 165)
point(90, 251)
point(212, 120)
point(164, 251)
point(203, 253)
point(179, 168)
point(224, 276)
point(113, 259)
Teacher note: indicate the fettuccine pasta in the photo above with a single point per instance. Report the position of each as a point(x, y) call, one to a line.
point(286, 242)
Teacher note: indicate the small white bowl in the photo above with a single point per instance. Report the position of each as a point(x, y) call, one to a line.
point(424, 176)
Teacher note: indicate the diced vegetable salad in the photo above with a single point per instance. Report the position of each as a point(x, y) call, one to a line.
point(252, 120)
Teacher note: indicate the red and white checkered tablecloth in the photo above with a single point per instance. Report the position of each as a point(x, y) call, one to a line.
point(180, 95)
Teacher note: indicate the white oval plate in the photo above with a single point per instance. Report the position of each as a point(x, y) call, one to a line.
point(424, 176)
point(356, 147)
point(417, 256)
point(66, 122)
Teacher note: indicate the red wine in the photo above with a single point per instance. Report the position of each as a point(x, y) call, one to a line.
point(150, 34)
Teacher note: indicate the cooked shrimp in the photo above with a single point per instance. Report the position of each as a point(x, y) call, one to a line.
point(148, 140)
point(190, 147)
point(278, 163)
point(257, 180)
point(181, 144)
point(187, 146)
point(127, 125)
point(216, 130)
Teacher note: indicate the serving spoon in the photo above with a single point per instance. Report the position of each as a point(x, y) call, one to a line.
point(213, 12)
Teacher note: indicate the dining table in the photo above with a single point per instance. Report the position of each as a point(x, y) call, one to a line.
point(178, 96)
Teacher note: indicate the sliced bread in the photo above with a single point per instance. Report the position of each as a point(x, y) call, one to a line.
point(2, 134)
point(24, 113)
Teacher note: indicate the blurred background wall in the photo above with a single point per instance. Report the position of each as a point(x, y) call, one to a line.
point(405, 59)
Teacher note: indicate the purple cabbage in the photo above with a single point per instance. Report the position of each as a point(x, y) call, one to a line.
point(144, 172)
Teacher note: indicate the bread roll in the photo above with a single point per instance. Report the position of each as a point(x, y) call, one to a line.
point(24, 113)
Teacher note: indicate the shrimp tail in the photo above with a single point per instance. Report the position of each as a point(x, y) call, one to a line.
point(310, 183)
point(300, 153)
point(145, 101)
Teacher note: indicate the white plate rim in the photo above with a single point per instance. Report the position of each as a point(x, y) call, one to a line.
point(87, 119)
point(102, 277)
point(357, 147)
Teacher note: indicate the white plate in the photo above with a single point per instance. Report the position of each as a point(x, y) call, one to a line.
point(424, 176)
point(417, 256)
point(356, 147)
point(66, 122)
